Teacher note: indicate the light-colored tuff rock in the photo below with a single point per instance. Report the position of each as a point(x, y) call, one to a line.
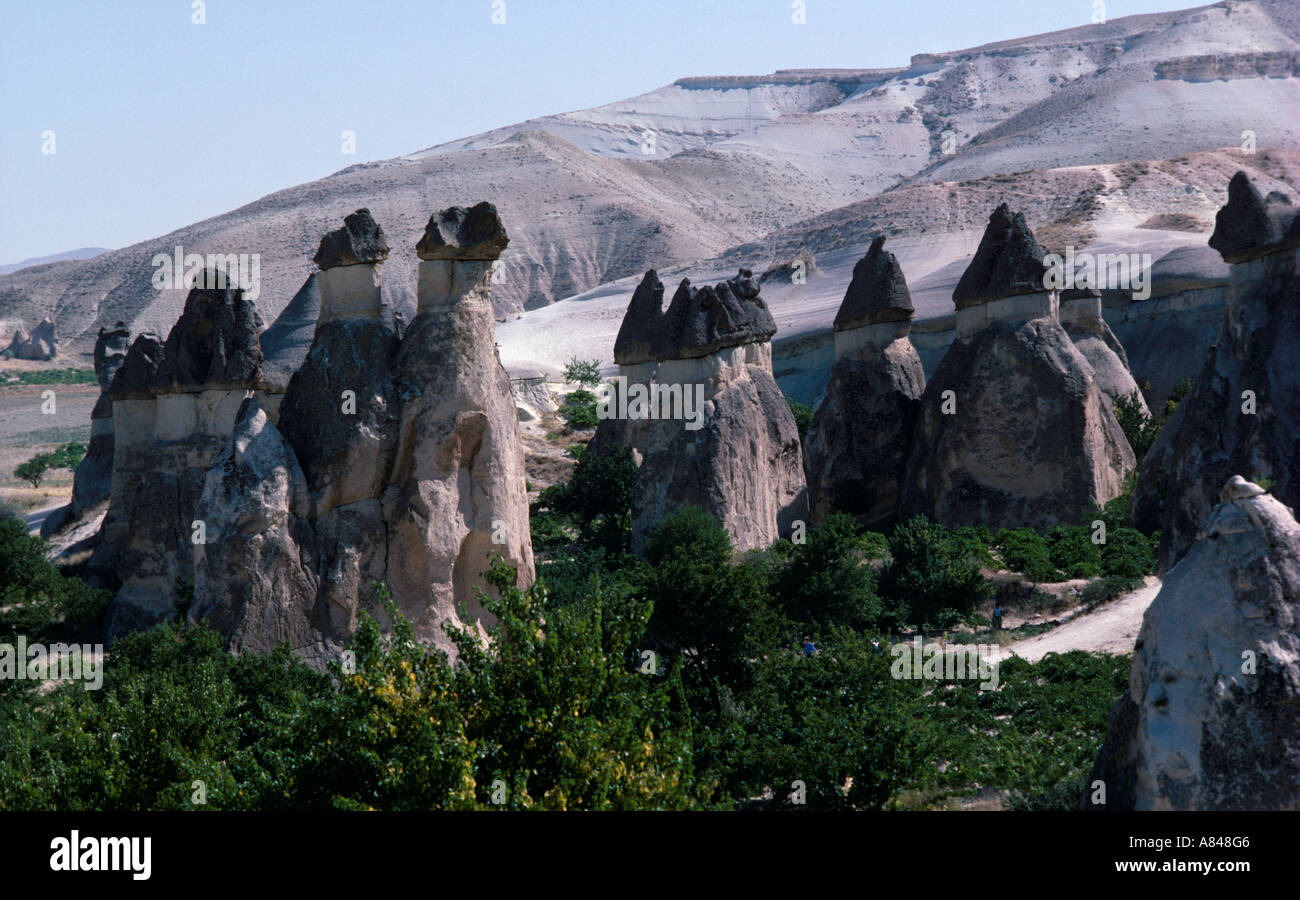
point(340, 414)
point(1211, 718)
point(1080, 316)
point(1013, 429)
point(1243, 414)
point(702, 413)
point(457, 492)
point(174, 408)
point(395, 459)
point(856, 449)
point(93, 479)
point(40, 344)
point(255, 576)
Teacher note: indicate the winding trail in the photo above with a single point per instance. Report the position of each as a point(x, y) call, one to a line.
point(1111, 628)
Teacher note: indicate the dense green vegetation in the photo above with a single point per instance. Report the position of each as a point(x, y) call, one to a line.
point(671, 680)
point(49, 376)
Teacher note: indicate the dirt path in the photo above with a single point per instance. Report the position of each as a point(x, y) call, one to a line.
point(1112, 628)
point(36, 518)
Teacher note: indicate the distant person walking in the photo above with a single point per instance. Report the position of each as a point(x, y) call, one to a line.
point(809, 648)
point(997, 618)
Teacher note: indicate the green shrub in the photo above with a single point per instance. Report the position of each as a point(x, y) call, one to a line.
point(826, 582)
point(1072, 551)
point(1107, 588)
point(929, 573)
point(1024, 550)
point(1128, 552)
point(579, 409)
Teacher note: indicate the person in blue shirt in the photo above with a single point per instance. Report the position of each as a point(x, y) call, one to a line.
point(997, 617)
point(809, 648)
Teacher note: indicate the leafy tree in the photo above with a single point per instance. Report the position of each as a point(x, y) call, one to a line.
point(34, 469)
point(930, 578)
point(585, 372)
point(836, 723)
point(714, 615)
point(68, 456)
point(826, 581)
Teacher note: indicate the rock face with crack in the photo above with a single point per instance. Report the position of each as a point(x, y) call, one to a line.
point(1211, 719)
point(169, 430)
point(705, 419)
point(856, 450)
point(1243, 414)
point(1014, 429)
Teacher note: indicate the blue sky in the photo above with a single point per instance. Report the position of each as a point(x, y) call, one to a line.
point(159, 122)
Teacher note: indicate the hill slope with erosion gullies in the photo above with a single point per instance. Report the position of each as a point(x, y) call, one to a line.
point(733, 158)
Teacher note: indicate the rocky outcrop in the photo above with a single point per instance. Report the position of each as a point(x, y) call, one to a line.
point(1080, 316)
point(285, 344)
point(856, 449)
point(255, 577)
point(173, 411)
point(1211, 718)
point(1243, 414)
point(1008, 262)
point(458, 491)
point(396, 460)
point(40, 344)
point(94, 477)
point(340, 416)
point(1014, 429)
point(697, 403)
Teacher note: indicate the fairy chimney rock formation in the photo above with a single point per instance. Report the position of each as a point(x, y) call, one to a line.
point(210, 362)
point(702, 410)
point(1005, 280)
point(1080, 316)
point(857, 447)
point(457, 492)
point(94, 477)
point(40, 344)
point(1014, 429)
point(1243, 413)
point(1211, 718)
point(351, 261)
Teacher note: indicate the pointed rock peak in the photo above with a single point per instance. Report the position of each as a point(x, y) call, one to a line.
point(640, 335)
point(878, 292)
point(214, 344)
point(701, 321)
point(1008, 261)
point(1251, 225)
point(138, 370)
point(360, 240)
point(460, 233)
